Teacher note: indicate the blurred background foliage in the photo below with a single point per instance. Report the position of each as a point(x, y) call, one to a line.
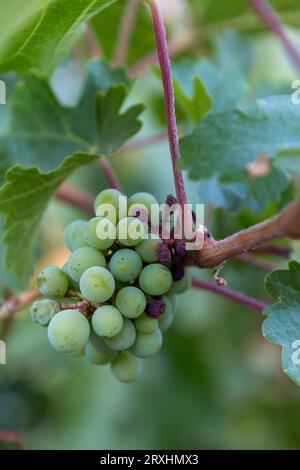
point(217, 383)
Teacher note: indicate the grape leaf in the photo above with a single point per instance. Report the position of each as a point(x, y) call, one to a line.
point(282, 325)
point(253, 193)
point(226, 142)
point(41, 131)
point(23, 199)
point(35, 34)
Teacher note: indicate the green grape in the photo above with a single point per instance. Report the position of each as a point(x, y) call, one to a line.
point(53, 283)
point(72, 283)
point(69, 331)
point(77, 354)
point(145, 324)
point(82, 259)
point(179, 287)
point(100, 233)
point(166, 319)
point(155, 279)
point(109, 199)
point(42, 311)
point(126, 368)
point(125, 265)
point(74, 235)
point(97, 284)
point(125, 339)
point(131, 302)
point(147, 345)
point(145, 199)
point(130, 231)
point(96, 357)
point(99, 344)
point(174, 302)
point(107, 321)
point(147, 248)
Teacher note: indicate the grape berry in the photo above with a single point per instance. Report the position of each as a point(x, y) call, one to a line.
point(116, 294)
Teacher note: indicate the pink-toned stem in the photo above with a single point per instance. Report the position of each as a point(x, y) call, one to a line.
point(125, 33)
point(12, 437)
point(18, 302)
point(93, 44)
point(76, 197)
point(164, 60)
point(275, 250)
point(273, 22)
point(229, 294)
point(257, 262)
point(177, 46)
point(110, 174)
point(140, 144)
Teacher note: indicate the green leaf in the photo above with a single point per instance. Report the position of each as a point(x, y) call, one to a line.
point(42, 132)
point(190, 91)
point(255, 194)
point(23, 200)
point(226, 142)
point(35, 34)
point(283, 323)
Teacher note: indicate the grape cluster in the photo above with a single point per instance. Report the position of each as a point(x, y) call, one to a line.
point(116, 295)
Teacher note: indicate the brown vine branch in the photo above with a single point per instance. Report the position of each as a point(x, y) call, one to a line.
point(256, 262)
point(273, 22)
point(125, 33)
point(17, 302)
point(275, 250)
point(214, 253)
point(229, 294)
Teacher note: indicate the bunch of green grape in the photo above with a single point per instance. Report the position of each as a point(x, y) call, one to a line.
point(113, 299)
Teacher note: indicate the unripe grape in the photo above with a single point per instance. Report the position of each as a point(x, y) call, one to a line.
point(72, 283)
point(130, 231)
point(125, 265)
point(174, 302)
point(166, 319)
point(126, 368)
point(97, 284)
point(97, 357)
point(145, 324)
point(147, 345)
point(147, 248)
point(109, 197)
point(74, 235)
point(179, 287)
point(125, 339)
point(53, 283)
point(155, 279)
point(82, 259)
point(99, 344)
point(107, 321)
point(42, 311)
point(100, 233)
point(131, 302)
point(145, 199)
point(69, 331)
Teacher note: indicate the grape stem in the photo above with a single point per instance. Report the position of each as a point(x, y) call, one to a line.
point(110, 174)
point(177, 46)
point(256, 262)
point(164, 60)
point(18, 302)
point(125, 34)
point(273, 22)
point(76, 197)
point(229, 294)
point(12, 437)
point(93, 43)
